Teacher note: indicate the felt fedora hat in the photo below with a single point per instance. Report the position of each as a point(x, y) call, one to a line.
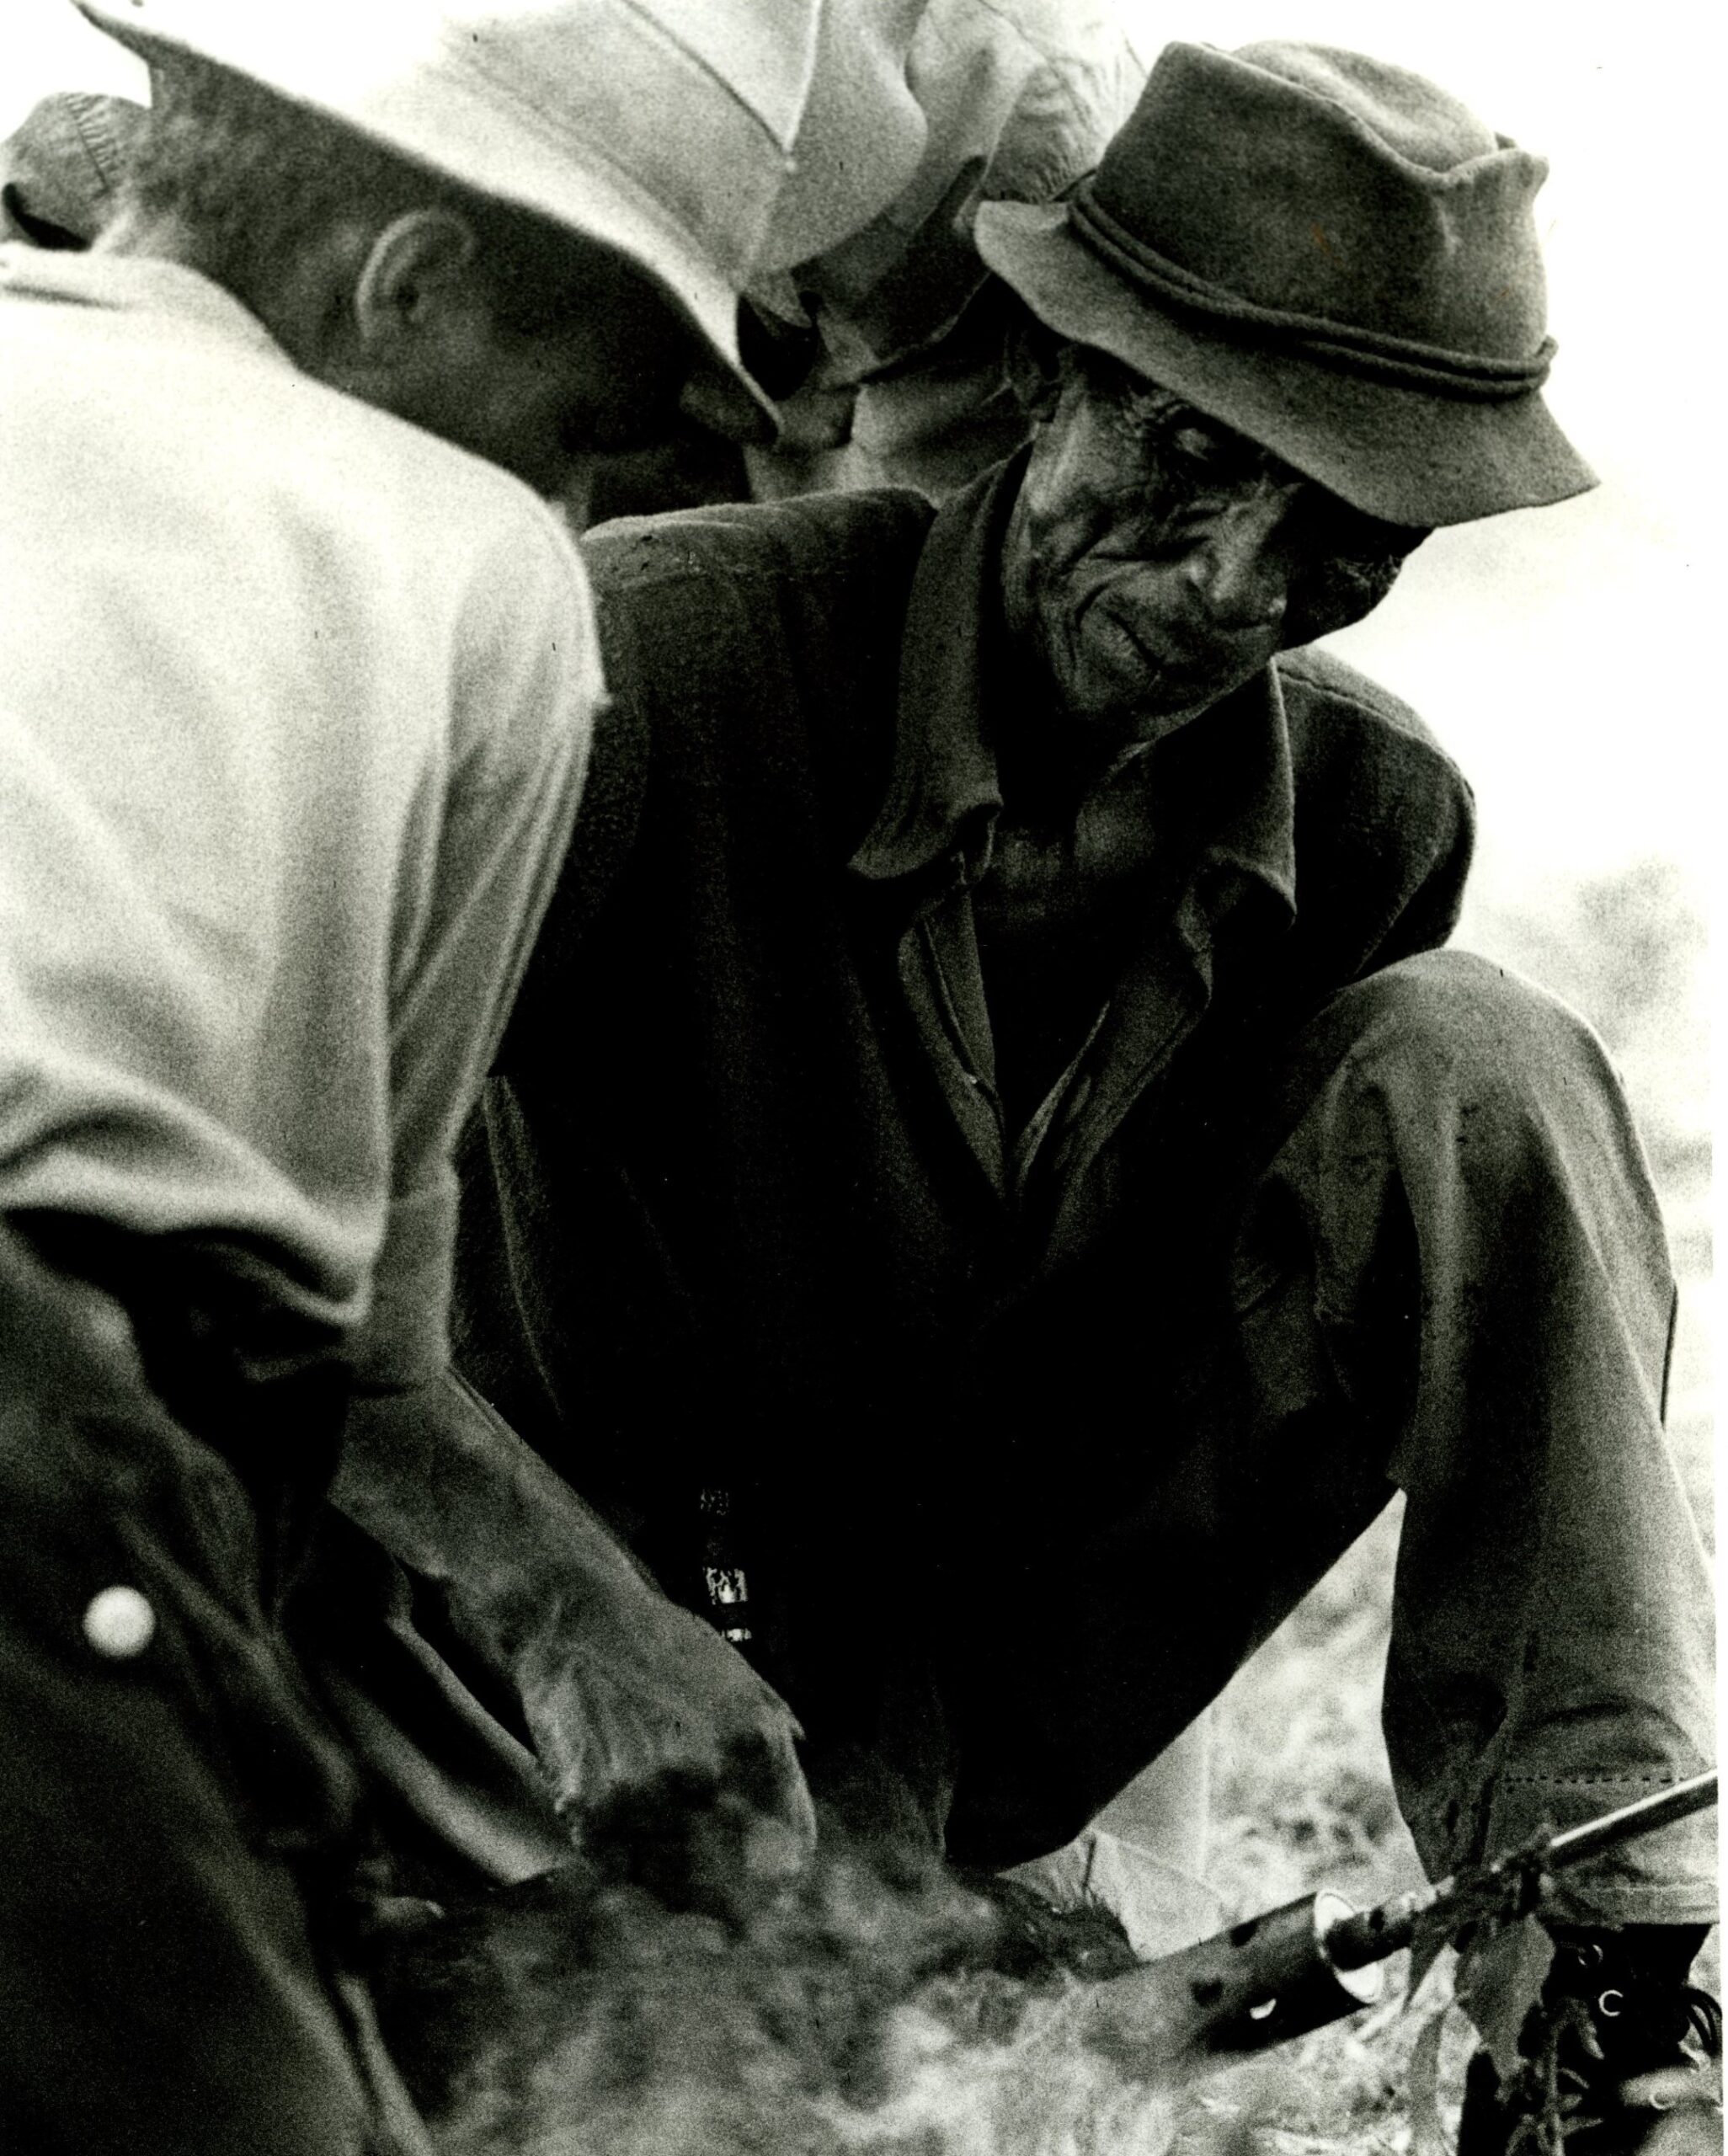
point(1327, 253)
point(661, 128)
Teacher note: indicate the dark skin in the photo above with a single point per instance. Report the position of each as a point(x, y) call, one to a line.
point(1153, 562)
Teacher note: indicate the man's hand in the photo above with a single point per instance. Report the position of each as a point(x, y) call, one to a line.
point(612, 1696)
point(616, 1683)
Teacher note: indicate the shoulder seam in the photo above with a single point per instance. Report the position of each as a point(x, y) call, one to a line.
point(666, 552)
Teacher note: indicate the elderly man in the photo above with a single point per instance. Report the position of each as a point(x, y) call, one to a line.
point(993, 1182)
point(299, 680)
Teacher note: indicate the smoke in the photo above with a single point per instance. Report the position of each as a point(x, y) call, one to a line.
point(686, 1988)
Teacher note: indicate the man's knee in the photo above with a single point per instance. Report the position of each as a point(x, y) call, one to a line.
point(1451, 1019)
point(1453, 1142)
point(1455, 1075)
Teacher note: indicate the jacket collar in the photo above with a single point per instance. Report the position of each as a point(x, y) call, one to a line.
point(1222, 790)
point(943, 796)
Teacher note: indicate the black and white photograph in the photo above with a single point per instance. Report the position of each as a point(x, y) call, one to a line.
point(856, 1080)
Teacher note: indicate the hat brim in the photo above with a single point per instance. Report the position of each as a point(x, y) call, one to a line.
point(461, 140)
point(1399, 453)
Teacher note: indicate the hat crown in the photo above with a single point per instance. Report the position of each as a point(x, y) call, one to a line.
point(861, 133)
point(1319, 183)
point(1422, 123)
point(692, 105)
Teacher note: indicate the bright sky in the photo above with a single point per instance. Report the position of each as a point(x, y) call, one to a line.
point(1563, 654)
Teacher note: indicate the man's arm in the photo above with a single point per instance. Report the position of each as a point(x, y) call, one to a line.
point(616, 1681)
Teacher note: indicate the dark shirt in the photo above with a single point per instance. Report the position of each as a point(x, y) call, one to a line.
point(749, 1190)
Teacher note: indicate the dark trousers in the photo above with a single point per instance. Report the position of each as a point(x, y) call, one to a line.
point(1431, 1262)
point(1414, 1247)
point(175, 1816)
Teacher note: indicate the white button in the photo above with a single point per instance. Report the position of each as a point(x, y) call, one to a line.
point(119, 1623)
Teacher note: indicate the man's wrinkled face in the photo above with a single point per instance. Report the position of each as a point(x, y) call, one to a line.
point(1155, 560)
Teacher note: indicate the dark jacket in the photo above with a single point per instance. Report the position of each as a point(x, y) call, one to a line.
point(743, 1206)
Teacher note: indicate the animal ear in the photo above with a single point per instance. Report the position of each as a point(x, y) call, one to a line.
point(1032, 365)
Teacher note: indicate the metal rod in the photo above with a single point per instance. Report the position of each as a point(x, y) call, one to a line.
point(1644, 1817)
point(1357, 1940)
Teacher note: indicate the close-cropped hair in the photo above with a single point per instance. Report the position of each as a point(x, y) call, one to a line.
point(255, 176)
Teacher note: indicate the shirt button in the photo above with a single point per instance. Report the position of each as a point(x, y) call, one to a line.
point(119, 1623)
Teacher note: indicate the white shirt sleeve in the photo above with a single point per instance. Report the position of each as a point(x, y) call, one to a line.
point(492, 827)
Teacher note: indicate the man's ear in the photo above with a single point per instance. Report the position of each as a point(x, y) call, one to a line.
point(416, 278)
point(1033, 367)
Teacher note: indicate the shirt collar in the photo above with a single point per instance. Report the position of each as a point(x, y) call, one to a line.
point(1222, 791)
point(138, 284)
point(1221, 795)
point(943, 797)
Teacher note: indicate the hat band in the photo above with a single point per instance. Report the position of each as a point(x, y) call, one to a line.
point(1378, 355)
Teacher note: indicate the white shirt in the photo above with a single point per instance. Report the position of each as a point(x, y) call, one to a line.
point(295, 701)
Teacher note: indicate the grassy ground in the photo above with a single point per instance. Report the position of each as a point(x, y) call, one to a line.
point(1302, 1795)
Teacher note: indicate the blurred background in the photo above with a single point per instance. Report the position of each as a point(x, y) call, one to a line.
point(1564, 655)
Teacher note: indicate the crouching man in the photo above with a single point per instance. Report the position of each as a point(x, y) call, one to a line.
point(1028, 1185)
point(297, 701)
